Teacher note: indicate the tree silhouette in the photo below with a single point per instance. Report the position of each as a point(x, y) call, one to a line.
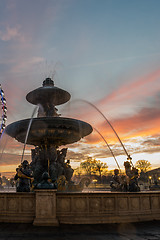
point(91, 165)
point(100, 167)
point(88, 165)
point(143, 165)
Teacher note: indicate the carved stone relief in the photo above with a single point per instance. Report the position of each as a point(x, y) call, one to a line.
point(63, 205)
point(109, 203)
point(155, 203)
point(145, 203)
point(123, 203)
point(27, 204)
point(95, 204)
point(135, 203)
point(79, 204)
point(12, 204)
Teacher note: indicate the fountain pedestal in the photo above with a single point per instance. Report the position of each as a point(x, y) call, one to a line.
point(45, 208)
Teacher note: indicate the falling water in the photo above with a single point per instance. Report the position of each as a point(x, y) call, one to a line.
point(29, 126)
point(3, 142)
point(108, 147)
point(92, 105)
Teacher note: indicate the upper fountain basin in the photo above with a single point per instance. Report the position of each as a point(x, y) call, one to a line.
point(49, 130)
point(51, 94)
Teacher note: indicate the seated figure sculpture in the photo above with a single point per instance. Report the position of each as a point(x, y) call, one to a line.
point(23, 177)
point(68, 171)
point(61, 154)
point(45, 184)
point(64, 168)
point(119, 183)
point(48, 110)
point(132, 174)
point(56, 167)
point(53, 172)
point(115, 184)
point(37, 164)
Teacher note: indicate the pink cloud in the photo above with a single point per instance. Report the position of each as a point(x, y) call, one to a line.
point(11, 33)
point(135, 90)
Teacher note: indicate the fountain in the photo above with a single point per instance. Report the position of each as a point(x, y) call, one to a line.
point(47, 206)
point(47, 132)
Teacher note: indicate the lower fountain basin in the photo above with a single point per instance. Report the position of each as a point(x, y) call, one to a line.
point(79, 208)
point(49, 130)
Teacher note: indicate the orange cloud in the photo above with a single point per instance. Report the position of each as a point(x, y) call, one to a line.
point(142, 124)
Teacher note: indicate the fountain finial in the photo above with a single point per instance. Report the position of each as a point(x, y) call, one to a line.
point(48, 82)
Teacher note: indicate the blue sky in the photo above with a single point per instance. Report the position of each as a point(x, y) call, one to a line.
point(103, 51)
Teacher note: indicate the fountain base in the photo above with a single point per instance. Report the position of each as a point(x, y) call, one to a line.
point(49, 207)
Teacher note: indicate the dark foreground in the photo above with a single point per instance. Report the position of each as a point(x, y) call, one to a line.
point(135, 231)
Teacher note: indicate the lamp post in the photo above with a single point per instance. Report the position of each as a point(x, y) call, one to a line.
point(150, 179)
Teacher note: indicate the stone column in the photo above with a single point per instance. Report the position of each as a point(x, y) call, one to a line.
point(45, 208)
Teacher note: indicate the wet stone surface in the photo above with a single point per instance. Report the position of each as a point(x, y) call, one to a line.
point(125, 231)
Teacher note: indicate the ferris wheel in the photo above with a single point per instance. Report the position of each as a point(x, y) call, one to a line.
point(3, 114)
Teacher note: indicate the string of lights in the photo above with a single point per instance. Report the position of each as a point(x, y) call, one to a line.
point(4, 111)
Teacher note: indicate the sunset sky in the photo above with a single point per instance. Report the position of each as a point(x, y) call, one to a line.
point(106, 52)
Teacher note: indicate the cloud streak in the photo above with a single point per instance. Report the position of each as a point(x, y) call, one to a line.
point(94, 64)
point(135, 90)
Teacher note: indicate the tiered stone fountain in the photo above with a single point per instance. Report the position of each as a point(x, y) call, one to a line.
point(44, 206)
point(48, 131)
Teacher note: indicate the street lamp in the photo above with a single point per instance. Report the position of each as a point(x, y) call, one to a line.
point(150, 177)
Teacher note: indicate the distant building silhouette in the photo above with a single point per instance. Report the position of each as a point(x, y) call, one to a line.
point(154, 175)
